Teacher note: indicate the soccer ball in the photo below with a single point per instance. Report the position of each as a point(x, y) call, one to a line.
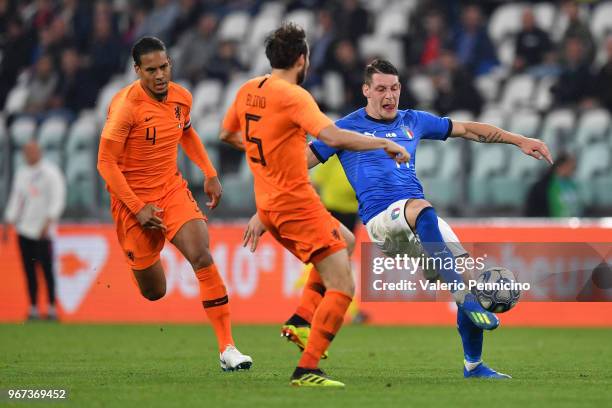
point(497, 301)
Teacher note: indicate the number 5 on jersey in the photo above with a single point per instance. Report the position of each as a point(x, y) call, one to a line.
point(255, 118)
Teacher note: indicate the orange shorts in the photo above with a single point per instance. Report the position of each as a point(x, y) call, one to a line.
point(311, 235)
point(142, 246)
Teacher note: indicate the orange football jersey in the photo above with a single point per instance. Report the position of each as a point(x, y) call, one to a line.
point(151, 131)
point(274, 117)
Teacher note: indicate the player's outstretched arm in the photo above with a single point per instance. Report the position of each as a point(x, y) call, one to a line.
point(194, 149)
point(485, 133)
point(338, 138)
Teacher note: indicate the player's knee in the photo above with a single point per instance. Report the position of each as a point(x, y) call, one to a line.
point(153, 294)
point(343, 282)
point(350, 288)
point(201, 260)
point(414, 208)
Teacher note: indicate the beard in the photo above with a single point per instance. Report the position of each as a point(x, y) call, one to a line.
point(301, 76)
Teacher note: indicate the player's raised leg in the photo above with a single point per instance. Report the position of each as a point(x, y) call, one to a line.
point(193, 242)
point(422, 217)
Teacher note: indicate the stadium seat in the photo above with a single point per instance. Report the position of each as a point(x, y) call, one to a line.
point(83, 135)
point(238, 189)
point(233, 26)
point(505, 21)
point(404, 6)
point(488, 161)
point(371, 46)
point(493, 116)
point(333, 90)
point(276, 8)
point(517, 92)
point(304, 18)
point(206, 97)
point(525, 122)
point(106, 96)
point(505, 52)
point(601, 20)
point(543, 98)
point(51, 135)
point(16, 99)
point(511, 187)
point(81, 179)
point(208, 127)
point(374, 6)
point(593, 163)
point(230, 91)
point(391, 22)
point(422, 88)
point(262, 24)
point(260, 65)
point(592, 127)
point(439, 168)
point(557, 130)
point(545, 14)
point(22, 130)
point(488, 86)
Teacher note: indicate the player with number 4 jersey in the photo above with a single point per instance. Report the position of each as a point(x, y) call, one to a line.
point(150, 200)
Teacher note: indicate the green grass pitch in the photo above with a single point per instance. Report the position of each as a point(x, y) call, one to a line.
point(177, 366)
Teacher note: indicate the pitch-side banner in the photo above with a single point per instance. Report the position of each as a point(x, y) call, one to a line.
point(94, 283)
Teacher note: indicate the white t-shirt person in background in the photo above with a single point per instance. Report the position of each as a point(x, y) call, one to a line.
point(37, 201)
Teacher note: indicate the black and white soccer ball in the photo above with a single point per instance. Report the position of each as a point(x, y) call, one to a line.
point(497, 301)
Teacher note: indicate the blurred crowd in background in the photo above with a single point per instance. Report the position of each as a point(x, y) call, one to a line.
point(69, 49)
point(63, 53)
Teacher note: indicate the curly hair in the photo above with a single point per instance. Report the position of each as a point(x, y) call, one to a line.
point(285, 45)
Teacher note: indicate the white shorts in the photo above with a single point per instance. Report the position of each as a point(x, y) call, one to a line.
point(390, 231)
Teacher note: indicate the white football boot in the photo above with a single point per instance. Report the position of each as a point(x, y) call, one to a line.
point(231, 359)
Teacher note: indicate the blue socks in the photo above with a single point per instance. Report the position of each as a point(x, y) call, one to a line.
point(471, 338)
point(436, 249)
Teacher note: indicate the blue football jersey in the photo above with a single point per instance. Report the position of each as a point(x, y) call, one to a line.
point(377, 179)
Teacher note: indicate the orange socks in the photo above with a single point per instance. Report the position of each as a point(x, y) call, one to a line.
point(326, 322)
point(313, 292)
point(215, 302)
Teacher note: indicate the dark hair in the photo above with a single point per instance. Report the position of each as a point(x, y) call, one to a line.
point(378, 66)
point(285, 45)
point(146, 45)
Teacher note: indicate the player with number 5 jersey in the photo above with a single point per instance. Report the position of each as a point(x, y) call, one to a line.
point(269, 120)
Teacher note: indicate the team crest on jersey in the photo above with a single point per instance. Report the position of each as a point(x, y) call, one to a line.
point(395, 213)
point(177, 112)
point(407, 132)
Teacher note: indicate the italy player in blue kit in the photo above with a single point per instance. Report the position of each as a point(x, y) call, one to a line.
point(385, 191)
